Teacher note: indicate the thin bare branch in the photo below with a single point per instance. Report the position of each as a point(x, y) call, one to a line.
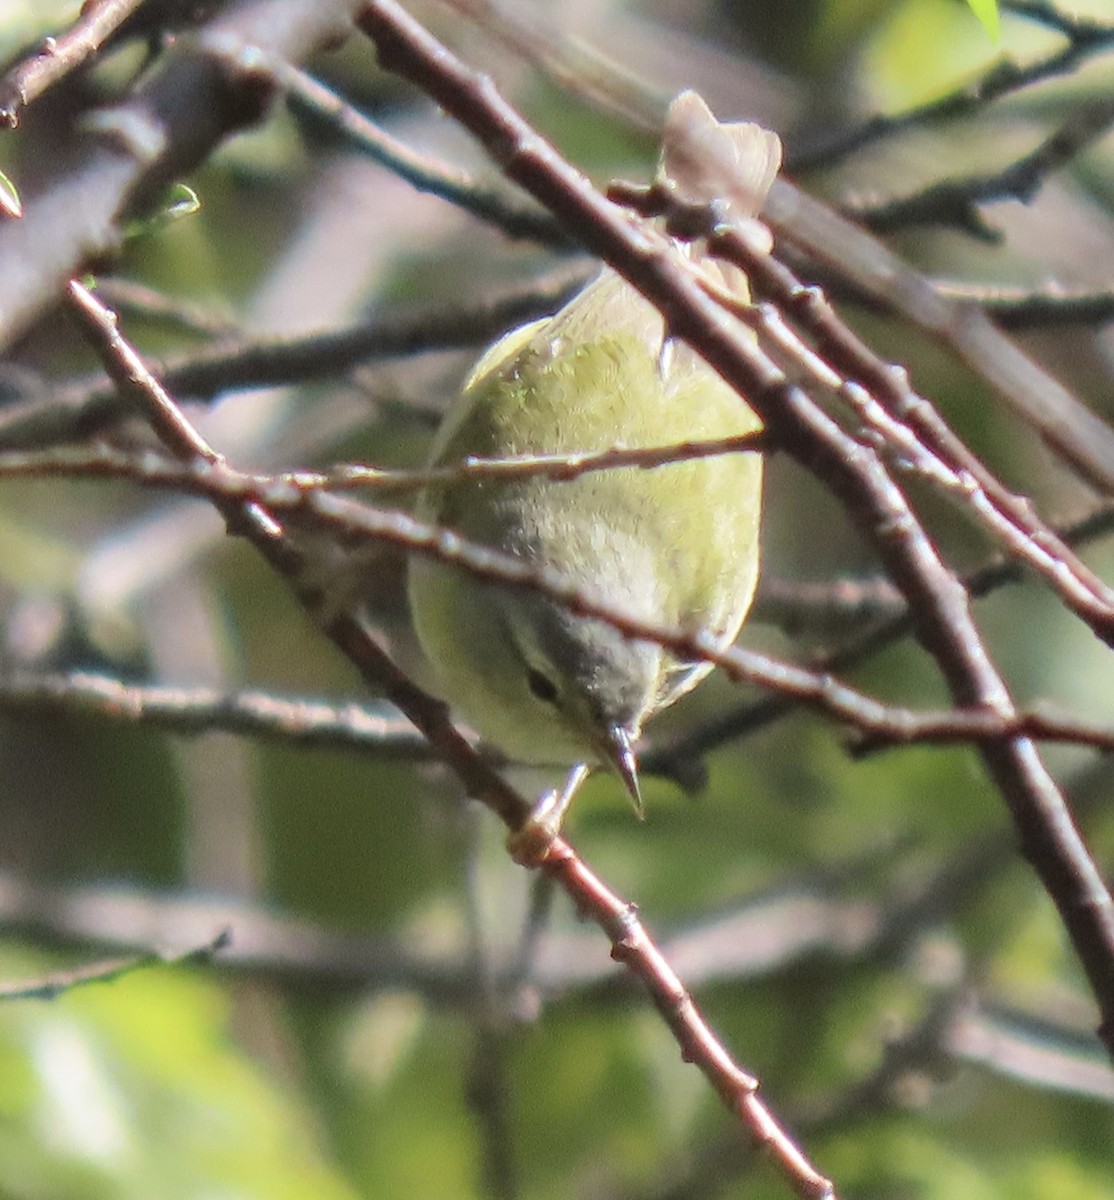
point(368, 727)
point(678, 757)
point(127, 296)
point(1037, 308)
point(58, 983)
point(58, 56)
point(488, 204)
point(1067, 426)
point(283, 488)
point(956, 202)
point(85, 407)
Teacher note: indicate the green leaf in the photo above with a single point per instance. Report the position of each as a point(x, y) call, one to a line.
point(179, 201)
point(10, 204)
point(987, 13)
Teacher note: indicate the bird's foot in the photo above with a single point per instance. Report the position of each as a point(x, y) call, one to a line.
point(529, 844)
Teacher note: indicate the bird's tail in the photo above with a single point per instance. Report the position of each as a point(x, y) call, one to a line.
point(703, 161)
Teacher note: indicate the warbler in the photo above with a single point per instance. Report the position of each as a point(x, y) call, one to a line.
point(675, 545)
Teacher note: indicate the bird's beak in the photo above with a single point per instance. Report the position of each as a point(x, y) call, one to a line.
point(621, 759)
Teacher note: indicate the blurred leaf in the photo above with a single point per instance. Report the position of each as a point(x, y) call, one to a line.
point(136, 1089)
point(921, 49)
point(10, 203)
point(988, 15)
point(178, 201)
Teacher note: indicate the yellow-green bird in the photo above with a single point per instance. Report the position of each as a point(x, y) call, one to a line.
point(676, 545)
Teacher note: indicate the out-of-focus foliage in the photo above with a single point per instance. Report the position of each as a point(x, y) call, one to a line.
point(286, 1078)
point(987, 13)
point(143, 1090)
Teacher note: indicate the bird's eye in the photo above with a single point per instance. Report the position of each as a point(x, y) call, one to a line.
point(541, 686)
